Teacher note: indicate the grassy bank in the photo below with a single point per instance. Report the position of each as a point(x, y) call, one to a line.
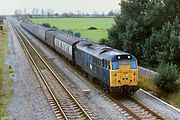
point(5, 73)
point(81, 25)
point(172, 98)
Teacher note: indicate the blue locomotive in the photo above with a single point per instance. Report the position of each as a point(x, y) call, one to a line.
point(116, 70)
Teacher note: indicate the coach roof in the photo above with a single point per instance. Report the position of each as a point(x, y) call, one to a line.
point(69, 39)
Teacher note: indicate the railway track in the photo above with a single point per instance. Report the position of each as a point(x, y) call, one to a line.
point(62, 101)
point(130, 107)
point(141, 111)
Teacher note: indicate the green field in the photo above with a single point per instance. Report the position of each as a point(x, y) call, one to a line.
point(81, 25)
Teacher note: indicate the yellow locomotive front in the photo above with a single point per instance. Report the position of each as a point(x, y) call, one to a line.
point(124, 74)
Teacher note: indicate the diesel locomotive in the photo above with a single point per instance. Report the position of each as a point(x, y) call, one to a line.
point(116, 70)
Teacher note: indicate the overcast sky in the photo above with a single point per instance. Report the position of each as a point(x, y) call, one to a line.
point(88, 6)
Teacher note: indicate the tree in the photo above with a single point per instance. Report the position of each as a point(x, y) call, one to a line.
point(70, 32)
point(46, 25)
point(42, 12)
point(1, 20)
point(66, 15)
point(34, 11)
point(128, 32)
point(56, 14)
point(111, 13)
point(37, 12)
point(166, 80)
point(138, 20)
point(103, 41)
point(78, 34)
point(163, 46)
point(25, 11)
point(48, 12)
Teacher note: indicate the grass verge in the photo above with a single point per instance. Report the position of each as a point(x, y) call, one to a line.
point(5, 75)
point(172, 98)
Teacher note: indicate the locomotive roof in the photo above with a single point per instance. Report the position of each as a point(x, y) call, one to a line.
point(100, 51)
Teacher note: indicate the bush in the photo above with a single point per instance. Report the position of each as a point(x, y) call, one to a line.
point(166, 80)
point(46, 25)
point(62, 30)
point(78, 34)
point(1, 20)
point(54, 27)
point(92, 28)
point(70, 32)
point(103, 41)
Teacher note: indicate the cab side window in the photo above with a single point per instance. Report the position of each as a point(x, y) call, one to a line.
point(106, 64)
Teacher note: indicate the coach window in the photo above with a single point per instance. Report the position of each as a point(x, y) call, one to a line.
point(98, 62)
point(61, 45)
point(68, 49)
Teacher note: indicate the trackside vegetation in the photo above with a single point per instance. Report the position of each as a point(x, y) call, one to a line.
point(5, 74)
point(167, 79)
point(170, 97)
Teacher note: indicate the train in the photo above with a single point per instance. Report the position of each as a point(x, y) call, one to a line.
point(115, 70)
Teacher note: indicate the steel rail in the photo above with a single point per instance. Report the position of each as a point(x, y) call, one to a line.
point(121, 104)
point(42, 77)
point(147, 109)
point(114, 100)
point(54, 73)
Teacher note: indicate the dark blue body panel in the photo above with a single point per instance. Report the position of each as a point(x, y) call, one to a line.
point(85, 61)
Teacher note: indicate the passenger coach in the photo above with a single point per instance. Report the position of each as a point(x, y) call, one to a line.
point(64, 44)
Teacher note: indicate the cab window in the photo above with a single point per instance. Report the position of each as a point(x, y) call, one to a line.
point(133, 64)
point(116, 64)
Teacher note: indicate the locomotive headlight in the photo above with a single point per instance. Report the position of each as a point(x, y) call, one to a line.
point(126, 75)
point(119, 57)
point(129, 57)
